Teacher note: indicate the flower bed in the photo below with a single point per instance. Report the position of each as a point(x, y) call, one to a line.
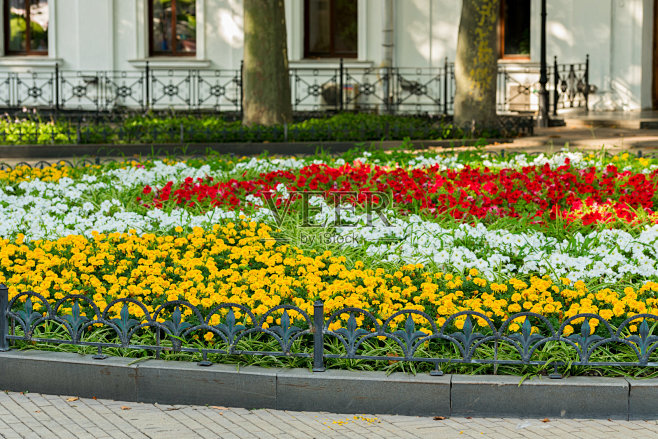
point(555, 236)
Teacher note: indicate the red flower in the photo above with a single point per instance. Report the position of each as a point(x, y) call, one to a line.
point(534, 192)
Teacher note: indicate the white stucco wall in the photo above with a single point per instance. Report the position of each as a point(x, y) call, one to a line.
point(575, 29)
point(112, 35)
point(646, 56)
point(426, 32)
point(631, 52)
point(618, 36)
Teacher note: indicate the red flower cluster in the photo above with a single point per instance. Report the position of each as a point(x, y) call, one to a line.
point(589, 212)
point(536, 192)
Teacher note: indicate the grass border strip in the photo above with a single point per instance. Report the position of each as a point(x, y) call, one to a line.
point(177, 382)
point(279, 148)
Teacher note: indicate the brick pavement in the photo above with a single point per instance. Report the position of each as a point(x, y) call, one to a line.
point(47, 416)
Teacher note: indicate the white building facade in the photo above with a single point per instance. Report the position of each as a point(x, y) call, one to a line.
point(100, 46)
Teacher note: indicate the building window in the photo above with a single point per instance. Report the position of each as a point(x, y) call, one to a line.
point(26, 27)
point(330, 28)
point(515, 29)
point(172, 25)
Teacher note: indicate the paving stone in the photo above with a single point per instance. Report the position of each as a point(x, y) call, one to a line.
point(89, 418)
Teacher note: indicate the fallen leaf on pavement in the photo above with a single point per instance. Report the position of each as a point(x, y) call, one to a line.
point(218, 407)
point(73, 398)
point(125, 407)
point(546, 420)
point(439, 418)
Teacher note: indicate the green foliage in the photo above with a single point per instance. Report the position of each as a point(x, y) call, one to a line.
point(205, 129)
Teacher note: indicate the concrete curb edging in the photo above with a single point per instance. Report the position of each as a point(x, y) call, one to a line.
point(177, 382)
point(276, 148)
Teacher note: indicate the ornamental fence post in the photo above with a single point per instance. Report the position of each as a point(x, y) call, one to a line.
point(56, 87)
point(318, 337)
point(556, 85)
point(241, 74)
point(445, 86)
point(390, 89)
point(587, 83)
point(341, 75)
point(147, 84)
point(4, 308)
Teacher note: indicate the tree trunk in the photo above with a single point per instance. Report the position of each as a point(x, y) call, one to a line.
point(476, 65)
point(266, 82)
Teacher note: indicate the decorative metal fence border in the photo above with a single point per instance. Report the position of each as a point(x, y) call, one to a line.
point(332, 89)
point(167, 324)
point(41, 164)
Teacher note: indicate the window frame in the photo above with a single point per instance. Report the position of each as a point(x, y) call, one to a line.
point(173, 52)
point(501, 36)
point(28, 31)
point(332, 29)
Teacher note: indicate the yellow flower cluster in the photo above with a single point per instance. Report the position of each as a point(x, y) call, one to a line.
point(50, 173)
point(242, 263)
point(56, 171)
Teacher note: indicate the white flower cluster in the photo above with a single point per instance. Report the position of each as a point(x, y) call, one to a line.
point(43, 210)
point(443, 161)
point(608, 255)
point(159, 173)
point(515, 161)
point(271, 164)
point(577, 160)
point(50, 218)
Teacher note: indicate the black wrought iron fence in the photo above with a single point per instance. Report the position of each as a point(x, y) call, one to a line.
point(332, 89)
point(467, 337)
point(568, 86)
point(571, 87)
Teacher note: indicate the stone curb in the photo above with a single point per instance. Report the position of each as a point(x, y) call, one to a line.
point(278, 148)
point(338, 391)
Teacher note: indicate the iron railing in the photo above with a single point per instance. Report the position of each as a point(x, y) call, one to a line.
point(568, 87)
point(295, 330)
point(333, 89)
